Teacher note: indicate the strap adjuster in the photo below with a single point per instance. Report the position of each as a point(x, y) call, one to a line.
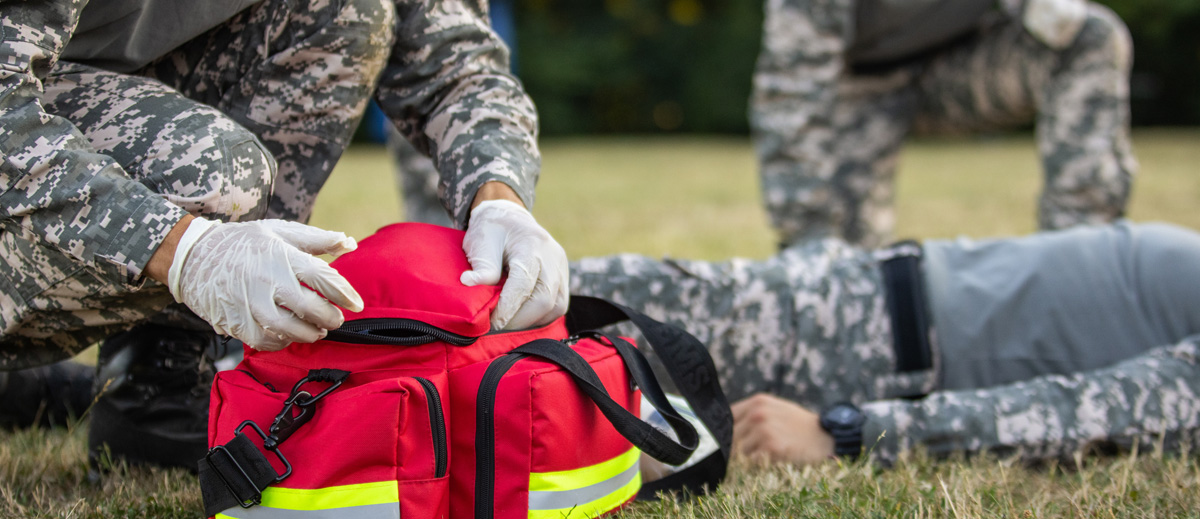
point(256, 497)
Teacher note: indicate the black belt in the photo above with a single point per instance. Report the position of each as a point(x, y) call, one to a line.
point(904, 288)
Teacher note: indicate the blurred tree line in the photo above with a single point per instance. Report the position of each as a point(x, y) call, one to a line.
point(622, 66)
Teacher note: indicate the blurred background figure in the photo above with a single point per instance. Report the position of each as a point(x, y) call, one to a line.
point(840, 84)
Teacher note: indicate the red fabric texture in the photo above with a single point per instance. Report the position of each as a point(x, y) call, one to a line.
point(407, 270)
point(378, 431)
point(544, 423)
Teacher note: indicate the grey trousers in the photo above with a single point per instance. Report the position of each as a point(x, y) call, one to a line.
point(1060, 302)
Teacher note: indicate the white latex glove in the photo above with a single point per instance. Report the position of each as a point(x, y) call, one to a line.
point(503, 235)
point(244, 279)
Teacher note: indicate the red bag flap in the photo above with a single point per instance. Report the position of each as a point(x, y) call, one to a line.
point(412, 270)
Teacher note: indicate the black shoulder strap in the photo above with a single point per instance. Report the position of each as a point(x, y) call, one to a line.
point(695, 376)
point(643, 435)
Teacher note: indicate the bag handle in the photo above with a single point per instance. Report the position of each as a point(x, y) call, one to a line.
point(692, 370)
point(643, 435)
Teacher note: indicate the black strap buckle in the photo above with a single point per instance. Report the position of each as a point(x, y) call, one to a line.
point(256, 498)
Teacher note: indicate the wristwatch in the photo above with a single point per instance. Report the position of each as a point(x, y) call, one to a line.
point(844, 422)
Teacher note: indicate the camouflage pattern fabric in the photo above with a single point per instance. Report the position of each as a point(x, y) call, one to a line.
point(810, 324)
point(190, 155)
point(54, 189)
point(828, 137)
point(1149, 400)
point(298, 75)
point(459, 104)
point(98, 167)
point(109, 162)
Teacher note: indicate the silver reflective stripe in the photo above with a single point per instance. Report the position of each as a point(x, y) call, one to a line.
point(380, 511)
point(557, 499)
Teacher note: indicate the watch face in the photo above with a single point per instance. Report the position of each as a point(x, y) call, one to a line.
point(844, 415)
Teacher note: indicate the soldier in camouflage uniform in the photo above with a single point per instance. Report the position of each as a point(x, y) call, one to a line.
point(159, 112)
point(1041, 345)
point(839, 85)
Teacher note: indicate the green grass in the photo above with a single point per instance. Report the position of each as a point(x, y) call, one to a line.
point(698, 197)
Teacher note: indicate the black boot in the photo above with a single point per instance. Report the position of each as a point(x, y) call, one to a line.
point(46, 396)
point(153, 383)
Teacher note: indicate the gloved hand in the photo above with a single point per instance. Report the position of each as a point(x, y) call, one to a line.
point(244, 279)
point(502, 234)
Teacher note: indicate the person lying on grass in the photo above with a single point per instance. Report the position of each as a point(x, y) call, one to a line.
point(1039, 346)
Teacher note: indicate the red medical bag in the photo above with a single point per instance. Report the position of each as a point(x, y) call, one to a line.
point(414, 408)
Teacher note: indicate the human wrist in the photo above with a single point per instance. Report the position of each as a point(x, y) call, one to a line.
point(160, 262)
point(187, 239)
point(495, 190)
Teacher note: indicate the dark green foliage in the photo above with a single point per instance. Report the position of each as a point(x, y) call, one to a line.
point(639, 65)
point(1166, 43)
point(622, 66)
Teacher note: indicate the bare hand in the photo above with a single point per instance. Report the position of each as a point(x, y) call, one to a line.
point(769, 428)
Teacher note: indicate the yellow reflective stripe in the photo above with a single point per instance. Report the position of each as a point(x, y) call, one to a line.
point(587, 491)
point(582, 477)
point(380, 511)
point(362, 494)
point(594, 508)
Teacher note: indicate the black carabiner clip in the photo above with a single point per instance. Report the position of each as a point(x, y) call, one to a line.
point(286, 422)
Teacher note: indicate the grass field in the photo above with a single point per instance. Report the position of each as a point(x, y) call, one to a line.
point(697, 197)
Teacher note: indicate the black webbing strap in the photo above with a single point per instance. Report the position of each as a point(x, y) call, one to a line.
point(234, 475)
point(904, 289)
point(641, 434)
point(692, 370)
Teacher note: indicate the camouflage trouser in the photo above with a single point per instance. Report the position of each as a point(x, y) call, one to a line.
point(809, 324)
point(418, 181)
point(282, 83)
point(828, 138)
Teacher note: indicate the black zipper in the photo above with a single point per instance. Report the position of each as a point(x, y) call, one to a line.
point(485, 433)
point(264, 384)
point(437, 422)
point(395, 332)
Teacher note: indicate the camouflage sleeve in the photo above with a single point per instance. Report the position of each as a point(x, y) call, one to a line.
point(53, 187)
point(1143, 400)
point(447, 88)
